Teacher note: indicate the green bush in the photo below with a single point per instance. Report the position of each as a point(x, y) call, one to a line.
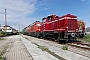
point(2, 33)
point(87, 38)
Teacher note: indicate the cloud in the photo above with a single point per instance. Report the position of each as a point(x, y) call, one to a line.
point(44, 9)
point(42, 5)
point(17, 10)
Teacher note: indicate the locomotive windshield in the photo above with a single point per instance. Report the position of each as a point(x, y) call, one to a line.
point(49, 17)
point(38, 25)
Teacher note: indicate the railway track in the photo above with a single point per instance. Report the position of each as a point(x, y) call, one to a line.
point(78, 47)
point(81, 45)
point(78, 44)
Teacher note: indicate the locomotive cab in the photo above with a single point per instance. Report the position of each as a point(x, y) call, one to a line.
point(48, 26)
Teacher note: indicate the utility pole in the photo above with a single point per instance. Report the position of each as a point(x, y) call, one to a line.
point(19, 28)
point(5, 18)
point(0, 25)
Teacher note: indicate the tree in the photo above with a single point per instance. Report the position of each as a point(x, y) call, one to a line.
point(81, 23)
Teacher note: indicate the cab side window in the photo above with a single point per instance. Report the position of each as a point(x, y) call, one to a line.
point(44, 19)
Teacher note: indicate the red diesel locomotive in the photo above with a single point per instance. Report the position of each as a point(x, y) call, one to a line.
point(60, 28)
point(57, 28)
point(34, 29)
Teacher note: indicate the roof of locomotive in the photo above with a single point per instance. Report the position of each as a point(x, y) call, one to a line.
point(43, 18)
point(50, 16)
point(69, 15)
point(6, 26)
point(33, 23)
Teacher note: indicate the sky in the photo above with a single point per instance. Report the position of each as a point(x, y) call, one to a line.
point(21, 13)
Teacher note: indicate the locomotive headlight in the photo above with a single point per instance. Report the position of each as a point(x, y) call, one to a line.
point(76, 29)
point(67, 27)
point(39, 29)
point(73, 34)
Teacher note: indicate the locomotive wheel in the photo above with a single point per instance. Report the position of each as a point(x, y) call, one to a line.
point(81, 36)
point(37, 36)
point(44, 36)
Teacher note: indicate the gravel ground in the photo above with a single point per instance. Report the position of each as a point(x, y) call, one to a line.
point(22, 47)
point(57, 49)
point(16, 49)
point(3, 45)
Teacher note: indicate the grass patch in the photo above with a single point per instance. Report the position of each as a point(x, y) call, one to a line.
point(65, 47)
point(43, 48)
point(2, 58)
point(26, 38)
point(85, 38)
point(2, 33)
